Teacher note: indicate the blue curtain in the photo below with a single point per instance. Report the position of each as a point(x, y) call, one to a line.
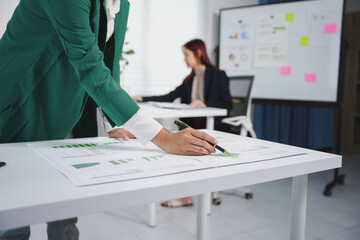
point(308, 127)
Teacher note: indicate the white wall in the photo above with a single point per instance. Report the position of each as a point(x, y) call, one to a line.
point(7, 8)
point(212, 20)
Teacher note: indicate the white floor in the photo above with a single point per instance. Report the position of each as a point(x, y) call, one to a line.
point(265, 217)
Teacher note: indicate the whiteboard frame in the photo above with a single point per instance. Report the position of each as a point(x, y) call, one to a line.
point(342, 56)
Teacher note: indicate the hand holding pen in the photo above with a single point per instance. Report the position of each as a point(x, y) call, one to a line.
point(183, 125)
point(186, 142)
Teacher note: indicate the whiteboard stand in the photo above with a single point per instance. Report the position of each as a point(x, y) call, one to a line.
point(339, 178)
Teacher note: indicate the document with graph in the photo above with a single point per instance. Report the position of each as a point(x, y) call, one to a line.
point(90, 161)
point(246, 150)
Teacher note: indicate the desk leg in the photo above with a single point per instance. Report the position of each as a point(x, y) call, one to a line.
point(202, 221)
point(298, 207)
point(152, 215)
point(210, 123)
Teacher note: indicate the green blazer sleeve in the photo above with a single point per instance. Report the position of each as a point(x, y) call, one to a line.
point(71, 20)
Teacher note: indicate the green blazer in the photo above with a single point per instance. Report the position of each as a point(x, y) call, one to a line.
point(52, 60)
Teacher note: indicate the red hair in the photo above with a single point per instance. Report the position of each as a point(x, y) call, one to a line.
point(194, 46)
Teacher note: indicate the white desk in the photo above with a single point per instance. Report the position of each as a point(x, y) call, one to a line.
point(163, 113)
point(32, 191)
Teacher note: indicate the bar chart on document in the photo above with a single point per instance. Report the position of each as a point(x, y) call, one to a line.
point(91, 161)
point(86, 162)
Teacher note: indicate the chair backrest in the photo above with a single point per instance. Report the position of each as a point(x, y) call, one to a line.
point(240, 90)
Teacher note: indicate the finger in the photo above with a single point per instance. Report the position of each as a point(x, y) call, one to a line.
point(190, 138)
point(204, 136)
point(124, 136)
point(196, 150)
point(202, 144)
point(130, 135)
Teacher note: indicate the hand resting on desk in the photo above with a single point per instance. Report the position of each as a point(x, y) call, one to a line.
point(121, 133)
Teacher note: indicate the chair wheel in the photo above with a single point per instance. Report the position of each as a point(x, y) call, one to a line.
point(327, 192)
point(216, 201)
point(248, 195)
point(341, 181)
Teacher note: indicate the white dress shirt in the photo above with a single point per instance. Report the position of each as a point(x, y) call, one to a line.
point(142, 125)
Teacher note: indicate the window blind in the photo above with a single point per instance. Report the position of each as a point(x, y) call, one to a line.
point(157, 29)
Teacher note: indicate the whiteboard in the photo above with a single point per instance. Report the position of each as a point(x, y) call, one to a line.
point(292, 49)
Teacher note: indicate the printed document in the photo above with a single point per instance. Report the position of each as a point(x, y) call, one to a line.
point(89, 161)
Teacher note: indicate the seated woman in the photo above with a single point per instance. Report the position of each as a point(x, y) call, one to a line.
point(205, 86)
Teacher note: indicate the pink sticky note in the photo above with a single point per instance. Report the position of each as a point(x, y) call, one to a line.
point(285, 70)
point(330, 28)
point(310, 77)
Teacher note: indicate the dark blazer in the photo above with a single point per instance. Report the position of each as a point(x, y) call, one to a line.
point(217, 93)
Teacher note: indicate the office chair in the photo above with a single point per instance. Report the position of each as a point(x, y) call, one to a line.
point(239, 120)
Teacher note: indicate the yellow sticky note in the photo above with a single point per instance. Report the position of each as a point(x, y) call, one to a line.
point(304, 41)
point(289, 17)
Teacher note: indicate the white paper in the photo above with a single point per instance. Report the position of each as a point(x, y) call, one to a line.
point(100, 160)
point(240, 42)
point(316, 23)
point(271, 44)
point(171, 105)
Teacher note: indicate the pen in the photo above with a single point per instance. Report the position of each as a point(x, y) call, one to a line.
point(2, 164)
point(183, 125)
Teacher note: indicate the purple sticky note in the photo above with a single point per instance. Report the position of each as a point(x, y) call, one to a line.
point(310, 77)
point(285, 70)
point(330, 28)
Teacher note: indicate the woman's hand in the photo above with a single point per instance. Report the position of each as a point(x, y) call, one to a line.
point(185, 142)
point(197, 103)
point(121, 133)
point(137, 99)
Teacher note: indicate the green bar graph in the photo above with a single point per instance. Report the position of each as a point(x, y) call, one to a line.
point(85, 165)
point(232, 155)
point(86, 145)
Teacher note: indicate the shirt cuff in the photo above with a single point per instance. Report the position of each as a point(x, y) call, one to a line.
point(143, 126)
point(107, 126)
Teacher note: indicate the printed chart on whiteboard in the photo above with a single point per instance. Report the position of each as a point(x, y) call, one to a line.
point(292, 49)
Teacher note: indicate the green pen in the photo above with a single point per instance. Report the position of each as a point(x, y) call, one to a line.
point(183, 125)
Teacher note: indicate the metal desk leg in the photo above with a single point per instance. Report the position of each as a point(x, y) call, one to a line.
point(210, 123)
point(202, 221)
point(152, 215)
point(298, 207)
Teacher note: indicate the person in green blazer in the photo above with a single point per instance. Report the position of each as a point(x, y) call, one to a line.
point(54, 57)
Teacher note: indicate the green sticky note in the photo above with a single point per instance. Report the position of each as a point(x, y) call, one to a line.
point(289, 17)
point(304, 41)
